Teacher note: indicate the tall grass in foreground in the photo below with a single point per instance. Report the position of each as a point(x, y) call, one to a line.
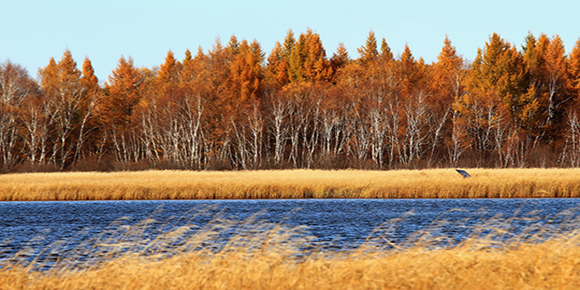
point(256, 255)
point(434, 183)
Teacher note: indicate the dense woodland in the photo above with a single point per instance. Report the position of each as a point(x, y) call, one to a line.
point(234, 107)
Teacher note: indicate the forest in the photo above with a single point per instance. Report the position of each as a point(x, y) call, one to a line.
point(233, 107)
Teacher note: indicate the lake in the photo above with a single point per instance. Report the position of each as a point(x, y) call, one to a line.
point(333, 224)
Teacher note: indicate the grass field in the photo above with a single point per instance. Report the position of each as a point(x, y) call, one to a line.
point(274, 257)
point(266, 256)
point(434, 183)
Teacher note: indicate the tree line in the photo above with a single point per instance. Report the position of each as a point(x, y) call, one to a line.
point(233, 107)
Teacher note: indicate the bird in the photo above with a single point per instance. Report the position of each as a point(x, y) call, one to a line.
point(463, 173)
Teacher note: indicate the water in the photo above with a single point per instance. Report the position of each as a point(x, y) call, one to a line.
point(334, 223)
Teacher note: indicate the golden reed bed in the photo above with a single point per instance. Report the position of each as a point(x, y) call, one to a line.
point(547, 266)
point(273, 257)
point(269, 184)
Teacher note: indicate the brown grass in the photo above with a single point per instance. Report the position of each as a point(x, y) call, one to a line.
point(434, 183)
point(266, 256)
point(546, 266)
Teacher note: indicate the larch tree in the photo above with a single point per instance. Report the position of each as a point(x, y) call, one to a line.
point(415, 111)
point(90, 128)
point(61, 82)
point(369, 51)
point(233, 46)
point(277, 68)
point(386, 53)
point(570, 155)
point(411, 72)
point(169, 75)
point(195, 74)
point(192, 109)
point(496, 90)
point(530, 115)
point(557, 93)
point(447, 87)
point(221, 99)
point(574, 72)
point(48, 77)
point(247, 72)
point(447, 75)
point(297, 59)
point(188, 57)
point(339, 58)
point(247, 81)
point(282, 66)
point(158, 113)
point(89, 80)
point(124, 91)
point(288, 45)
point(316, 66)
point(549, 93)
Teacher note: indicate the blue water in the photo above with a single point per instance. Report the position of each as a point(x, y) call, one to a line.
point(334, 223)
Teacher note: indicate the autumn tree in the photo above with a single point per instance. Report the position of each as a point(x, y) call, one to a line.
point(316, 67)
point(297, 58)
point(339, 59)
point(447, 76)
point(157, 113)
point(234, 107)
point(550, 87)
point(61, 83)
point(123, 93)
point(575, 71)
point(90, 125)
point(288, 45)
point(412, 72)
point(17, 89)
point(495, 96)
point(192, 108)
point(447, 88)
point(247, 72)
point(247, 76)
point(386, 53)
point(277, 68)
point(369, 51)
point(370, 87)
point(169, 75)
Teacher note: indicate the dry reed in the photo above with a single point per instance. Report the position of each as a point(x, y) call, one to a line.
point(266, 256)
point(271, 184)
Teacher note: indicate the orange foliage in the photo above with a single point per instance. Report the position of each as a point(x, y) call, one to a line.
point(235, 107)
point(124, 91)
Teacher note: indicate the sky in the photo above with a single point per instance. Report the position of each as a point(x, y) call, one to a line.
point(33, 31)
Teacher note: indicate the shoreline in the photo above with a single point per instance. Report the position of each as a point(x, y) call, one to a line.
point(290, 184)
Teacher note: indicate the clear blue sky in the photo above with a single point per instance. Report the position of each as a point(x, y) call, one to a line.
point(32, 31)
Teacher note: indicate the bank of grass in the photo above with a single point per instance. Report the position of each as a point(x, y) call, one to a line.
point(272, 184)
point(262, 256)
point(554, 265)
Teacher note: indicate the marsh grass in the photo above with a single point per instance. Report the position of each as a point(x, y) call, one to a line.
point(273, 184)
point(254, 254)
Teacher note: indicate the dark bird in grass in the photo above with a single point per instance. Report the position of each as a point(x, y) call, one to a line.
point(463, 173)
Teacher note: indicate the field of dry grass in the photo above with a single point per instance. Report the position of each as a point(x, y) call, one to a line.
point(434, 183)
point(547, 266)
point(274, 257)
point(265, 256)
